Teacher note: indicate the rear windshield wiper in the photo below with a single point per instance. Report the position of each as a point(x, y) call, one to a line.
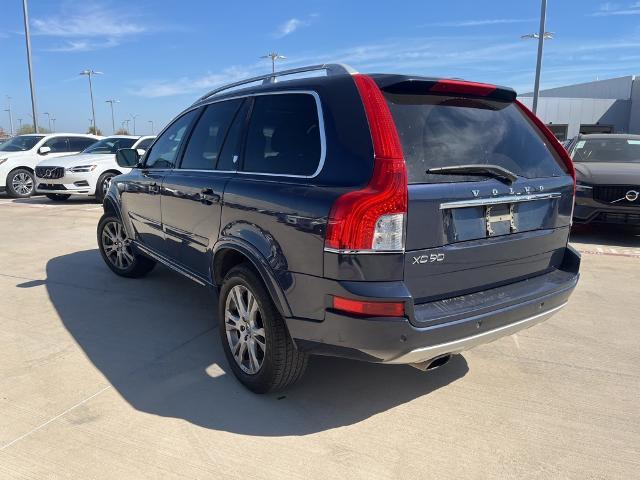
point(493, 171)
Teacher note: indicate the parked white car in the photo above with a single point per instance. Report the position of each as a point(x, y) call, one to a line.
point(87, 173)
point(20, 155)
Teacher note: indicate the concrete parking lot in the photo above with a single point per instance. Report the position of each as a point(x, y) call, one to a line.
point(104, 377)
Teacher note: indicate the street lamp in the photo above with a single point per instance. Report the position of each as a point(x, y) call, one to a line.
point(113, 122)
point(152, 129)
point(49, 118)
point(134, 121)
point(8, 109)
point(541, 37)
point(274, 56)
point(27, 36)
point(90, 73)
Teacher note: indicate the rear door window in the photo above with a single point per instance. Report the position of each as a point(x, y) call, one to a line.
point(283, 137)
point(442, 131)
point(57, 144)
point(78, 144)
point(208, 135)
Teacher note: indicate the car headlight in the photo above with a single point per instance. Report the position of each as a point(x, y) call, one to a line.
point(82, 169)
point(583, 187)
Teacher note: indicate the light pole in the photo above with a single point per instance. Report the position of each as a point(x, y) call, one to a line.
point(90, 73)
point(273, 56)
point(49, 118)
point(27, 35)
point(113, 122)
point(8, 109)
point(134, 121)
point(541, 36)
point(152, 129)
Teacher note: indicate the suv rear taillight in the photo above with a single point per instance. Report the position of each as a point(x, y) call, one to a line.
point(373, 218)
point(551, 138)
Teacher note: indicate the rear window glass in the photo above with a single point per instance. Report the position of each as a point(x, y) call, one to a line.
point(441, 131)
point(284, 135)
point(607, 150)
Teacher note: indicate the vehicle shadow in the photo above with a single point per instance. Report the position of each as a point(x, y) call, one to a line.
point(43, 200)
point(607, 235)
point(156, 341)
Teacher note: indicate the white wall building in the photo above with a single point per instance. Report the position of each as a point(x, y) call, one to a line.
point(603, 106)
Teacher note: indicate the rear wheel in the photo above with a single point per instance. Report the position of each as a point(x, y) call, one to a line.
point(254, 336)
point(102, 187)
point(58, 197)
point(117, 251)
point(20, 183)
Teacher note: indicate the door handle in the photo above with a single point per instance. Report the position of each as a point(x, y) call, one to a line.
point(208, 196)
point(154, 188)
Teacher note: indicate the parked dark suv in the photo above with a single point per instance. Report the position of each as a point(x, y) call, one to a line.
point(386, 218)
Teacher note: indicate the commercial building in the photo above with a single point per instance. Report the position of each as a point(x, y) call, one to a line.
point(603, 106)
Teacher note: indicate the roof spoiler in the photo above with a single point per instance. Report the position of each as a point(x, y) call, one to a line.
point(443, 86)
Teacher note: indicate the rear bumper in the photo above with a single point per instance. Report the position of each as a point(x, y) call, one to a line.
point(472, 323)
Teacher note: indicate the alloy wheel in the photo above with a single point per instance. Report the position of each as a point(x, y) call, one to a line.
point(117, 245)
point(245, 329)
point(22, 184)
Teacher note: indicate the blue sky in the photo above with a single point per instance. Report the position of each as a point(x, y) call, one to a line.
point(158, 56)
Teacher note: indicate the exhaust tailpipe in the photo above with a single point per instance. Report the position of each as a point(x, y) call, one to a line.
point(433, 363)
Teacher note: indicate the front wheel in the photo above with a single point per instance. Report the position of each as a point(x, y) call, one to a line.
point(254, 336)
point(117, 251)
point(20, 183)
point(102, 187)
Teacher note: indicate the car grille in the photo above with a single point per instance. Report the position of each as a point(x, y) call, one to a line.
point(50, 172)
point(611, 193)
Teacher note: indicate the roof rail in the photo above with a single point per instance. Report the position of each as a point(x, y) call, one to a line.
point(330, 68)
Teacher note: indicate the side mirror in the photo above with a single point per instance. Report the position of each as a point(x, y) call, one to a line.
point(127, 157)
point(44, 150)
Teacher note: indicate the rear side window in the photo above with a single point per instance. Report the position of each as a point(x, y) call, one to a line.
point(441, 131)
point(57, 144)
point(283, 136)
point(144, 144)
point(208, 135)
point(78, 144)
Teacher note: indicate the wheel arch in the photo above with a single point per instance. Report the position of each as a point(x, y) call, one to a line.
point(230, 252)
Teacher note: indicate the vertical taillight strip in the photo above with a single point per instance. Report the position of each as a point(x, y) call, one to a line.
point(551, 138)
point(372, 218)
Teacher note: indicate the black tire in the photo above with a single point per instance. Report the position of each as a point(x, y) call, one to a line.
point(282, 365)
point(138, 266)
point(101, 186)
point(14, 183)
point(58, 197)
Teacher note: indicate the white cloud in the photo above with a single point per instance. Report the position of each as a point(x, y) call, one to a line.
point(481, 58)
point(87, 27)
point(610, 9)
point(293, 24)
point(480, 23)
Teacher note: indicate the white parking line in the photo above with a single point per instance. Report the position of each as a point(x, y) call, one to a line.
point(39, 427)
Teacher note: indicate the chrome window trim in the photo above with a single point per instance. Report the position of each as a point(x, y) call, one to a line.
point(477, 202)
point(323, 138)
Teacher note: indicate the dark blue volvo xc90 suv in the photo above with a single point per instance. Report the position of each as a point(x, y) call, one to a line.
point(387, 218)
